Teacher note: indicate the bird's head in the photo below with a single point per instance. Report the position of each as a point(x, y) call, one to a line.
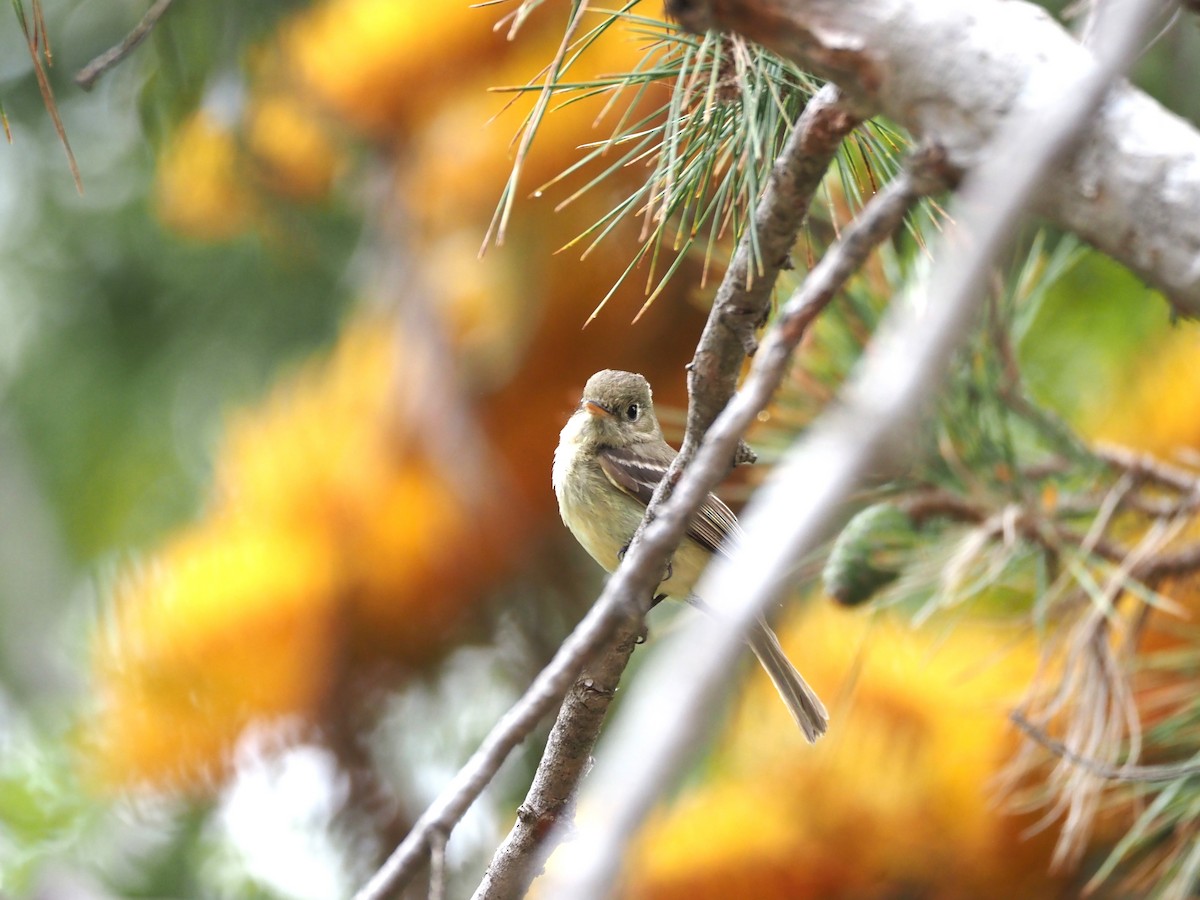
point(618, 409)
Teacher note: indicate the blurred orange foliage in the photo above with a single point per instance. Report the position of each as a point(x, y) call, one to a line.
point(212, 178)
point(396, 73)
point(323, 536)
point(295, 157)
point(894, 801)
point(382, 64)
point(227, 626)
point(197, 190)
point(337, 537)
point(1159, 411)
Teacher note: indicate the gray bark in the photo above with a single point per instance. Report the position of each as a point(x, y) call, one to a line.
point(953, 72)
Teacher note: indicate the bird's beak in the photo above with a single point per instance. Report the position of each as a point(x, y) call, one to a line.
point(596, 408)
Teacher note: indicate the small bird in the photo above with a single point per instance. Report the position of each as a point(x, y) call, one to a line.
point(610, 457)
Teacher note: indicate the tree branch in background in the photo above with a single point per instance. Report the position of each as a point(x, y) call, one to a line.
point(952, 72)
point(1146, 467)
point(87, 77)
point(742, 303)
point(666, 713)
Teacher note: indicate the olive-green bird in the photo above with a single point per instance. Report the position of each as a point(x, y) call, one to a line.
point(611, 456)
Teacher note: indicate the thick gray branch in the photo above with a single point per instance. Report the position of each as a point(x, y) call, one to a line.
point(953, 72)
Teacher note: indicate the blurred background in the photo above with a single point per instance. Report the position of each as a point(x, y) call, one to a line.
point(277, 538)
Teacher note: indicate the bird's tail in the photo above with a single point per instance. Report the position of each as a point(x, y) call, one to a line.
point(804, 705)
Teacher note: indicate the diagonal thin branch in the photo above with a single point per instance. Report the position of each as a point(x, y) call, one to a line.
point(665, 714)
point(641, 573)
point(1161, 772)
point(87, 77)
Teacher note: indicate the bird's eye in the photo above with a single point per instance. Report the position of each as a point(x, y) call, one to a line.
point(632, 411)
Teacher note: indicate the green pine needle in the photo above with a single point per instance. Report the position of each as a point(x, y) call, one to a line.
point(707, 148)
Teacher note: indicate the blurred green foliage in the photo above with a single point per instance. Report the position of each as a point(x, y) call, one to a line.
point(1086, 337)
point(122, 350)
point(137, 354)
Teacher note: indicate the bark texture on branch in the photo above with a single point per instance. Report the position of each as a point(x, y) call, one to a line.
point(952, 72)
point(744, 298)
point(568, 755)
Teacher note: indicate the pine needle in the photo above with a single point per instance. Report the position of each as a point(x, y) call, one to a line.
point(499, 224)
point(37, 39)
point(707, 146)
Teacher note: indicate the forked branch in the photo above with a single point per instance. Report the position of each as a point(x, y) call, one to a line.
point(742, 303)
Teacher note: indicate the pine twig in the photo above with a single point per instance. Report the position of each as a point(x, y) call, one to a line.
point(1145, 466)
point(1141, 774)
point(1032, 525)
point(38, 43)
point(499, 225)
point(87, 77)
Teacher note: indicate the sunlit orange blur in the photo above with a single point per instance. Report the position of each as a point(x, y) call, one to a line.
point(336, 538)
point(1159, 409)
point(900, 795)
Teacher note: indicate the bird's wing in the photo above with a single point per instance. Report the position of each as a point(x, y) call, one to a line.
point(714, 526)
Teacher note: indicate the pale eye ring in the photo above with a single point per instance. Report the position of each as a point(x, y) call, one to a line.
point(632, 411)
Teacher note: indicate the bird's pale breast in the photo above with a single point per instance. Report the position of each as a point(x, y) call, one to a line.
point(603, 518)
